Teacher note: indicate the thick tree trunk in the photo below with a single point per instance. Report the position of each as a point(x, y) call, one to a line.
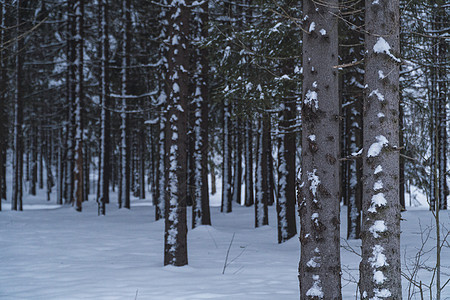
point(319, 269)
point(380, 275)
point(175, 237)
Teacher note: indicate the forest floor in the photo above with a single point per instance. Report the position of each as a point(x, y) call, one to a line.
point(53, 252)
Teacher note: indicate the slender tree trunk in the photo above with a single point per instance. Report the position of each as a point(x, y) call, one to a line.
point(226, 164)
point(262, 191)
point(286, 194)
point(125, 151)
point(237, 178)
point(249, 197)
point(380, 275)
point(105, 168)
point(319, 269)
point(16, 201)
point(3, 116)
point(200, 195)
point(78, 193)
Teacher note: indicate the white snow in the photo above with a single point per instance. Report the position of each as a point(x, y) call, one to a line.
point(314, 182)
point(316, 289)
point(378, 277)
point(380, 115)
point(312, 26)
point(312, 137)
point(377, 94)
point(381, 46)
point(53, 252)
point(323, 31)
point(375, 148)
point(377, 227)
point(378, 259)
point(378, 200)
point(383, 293)
point(378, 185)
point(311, 99)
point(378, 170)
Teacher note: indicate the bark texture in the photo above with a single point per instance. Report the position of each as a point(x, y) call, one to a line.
point(319, 269)
point(380, 276)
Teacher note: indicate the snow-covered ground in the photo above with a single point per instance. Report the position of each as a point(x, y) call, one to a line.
point(54, 252)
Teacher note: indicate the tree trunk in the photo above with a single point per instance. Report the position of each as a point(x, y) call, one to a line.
point(200, 195)
point(104, 168)
point(262, 191)
point(175, 237)
point(319, 269)
point(380, 275)
point(16, 201)
point(78, 194)
point(226, 164)
point(3, 116)
point(286, 194)
point(249, 197)
point(125, 151)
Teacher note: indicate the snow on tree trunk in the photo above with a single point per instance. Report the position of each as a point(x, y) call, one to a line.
point(262, 195)
point(200, 196)
point(104, 169)
point(124, 147)
point(161, 174)
point(175, 237)
point(78, 193)
point(440, 22)
point(287, 226)
point(319, 268)
point(380, 275)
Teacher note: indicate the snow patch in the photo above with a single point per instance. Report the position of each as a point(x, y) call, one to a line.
point(377, 227)
point(381, 46)
point(376, 147)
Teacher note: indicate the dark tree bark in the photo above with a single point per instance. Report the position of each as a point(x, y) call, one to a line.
point(227, 161)
point(262, 190)
point(3, 116)
point(78, 193)
point(16, 201)
point(175, 237)
point(319, 269)
point(249, 196)
point(380, 275)
point(125, 149)
point(200, 195)
point(104, 169)
point(237, 178)
point(351, 93)
point(286, 193)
